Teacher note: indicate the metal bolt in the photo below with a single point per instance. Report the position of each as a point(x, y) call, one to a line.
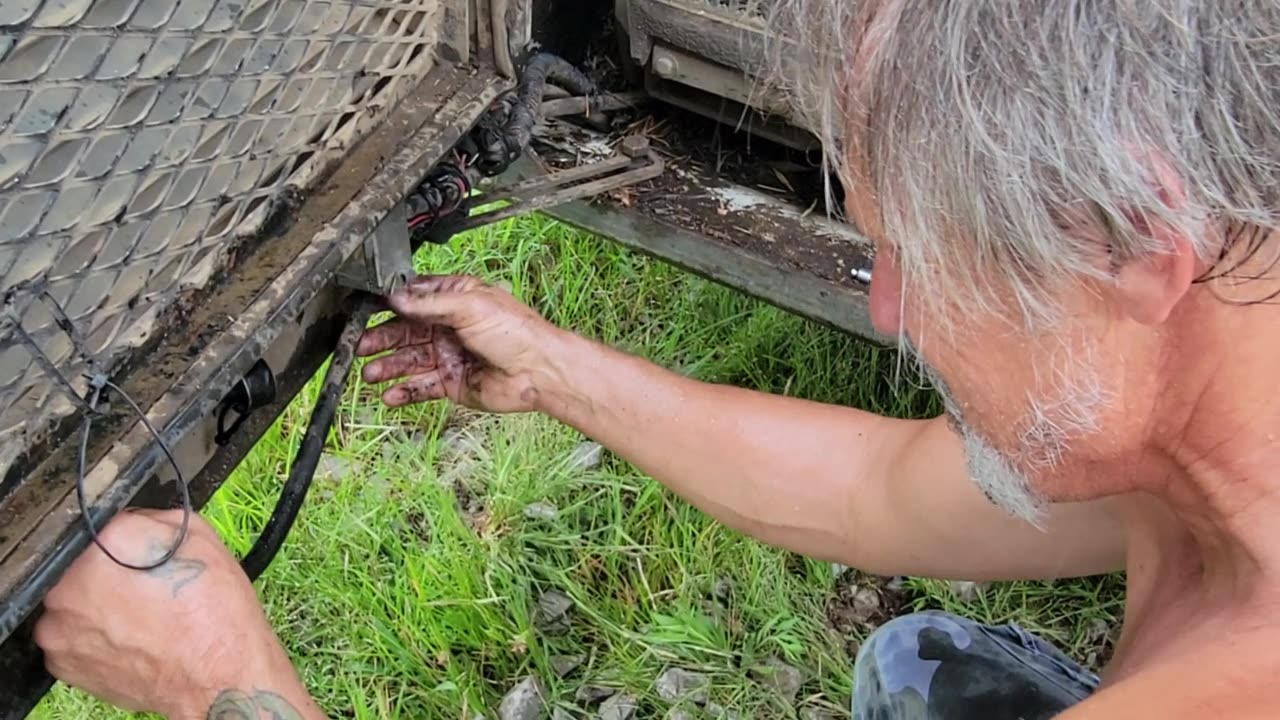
point(862, 275)
point(665, 66)
point(634, 146)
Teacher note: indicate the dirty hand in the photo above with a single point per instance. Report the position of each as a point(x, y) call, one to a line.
point(456, 337)
point(187, 639)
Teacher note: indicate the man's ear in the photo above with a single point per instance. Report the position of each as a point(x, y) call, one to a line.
point(1148, 288)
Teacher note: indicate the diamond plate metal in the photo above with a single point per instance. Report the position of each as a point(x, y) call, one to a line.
point(141, 139)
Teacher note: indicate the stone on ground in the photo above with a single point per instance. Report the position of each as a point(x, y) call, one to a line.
point(525, 701)
point(586, 456)
point(590, 694)
point(564, 665)
point(967, 592)
point(781, 678)
point(541, 510)
point(676, 684)
point(551, 615)
point(619, 707)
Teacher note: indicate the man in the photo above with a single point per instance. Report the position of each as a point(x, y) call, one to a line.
point(1075, 213)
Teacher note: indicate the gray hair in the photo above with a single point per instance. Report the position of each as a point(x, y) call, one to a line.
point(1011, 144)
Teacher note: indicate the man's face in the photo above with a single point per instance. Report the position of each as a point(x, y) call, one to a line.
point(1033, 410)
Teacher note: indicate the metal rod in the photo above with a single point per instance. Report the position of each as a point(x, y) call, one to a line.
point(589, 104)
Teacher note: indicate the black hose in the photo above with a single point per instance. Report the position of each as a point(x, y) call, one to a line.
point(308, 458)
point(533, 84)
point(502, 135)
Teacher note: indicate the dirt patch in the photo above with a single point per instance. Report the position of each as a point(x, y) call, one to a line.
point(420, 525)
point(863, 603)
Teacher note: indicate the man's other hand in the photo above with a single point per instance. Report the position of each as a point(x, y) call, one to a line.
point(174, 640)
point(456, 337)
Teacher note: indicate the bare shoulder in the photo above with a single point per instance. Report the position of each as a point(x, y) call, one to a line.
point(1233, 679)
point(946, 526)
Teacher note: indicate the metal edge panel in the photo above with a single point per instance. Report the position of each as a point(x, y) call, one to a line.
point(795, 291)
point(706, 236)
point(60, 537)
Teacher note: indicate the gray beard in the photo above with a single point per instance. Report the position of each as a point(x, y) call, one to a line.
point(995, 474)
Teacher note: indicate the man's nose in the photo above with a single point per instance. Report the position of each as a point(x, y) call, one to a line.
point(886, 300)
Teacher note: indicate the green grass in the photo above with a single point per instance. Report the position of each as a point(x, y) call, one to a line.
point(407, 588)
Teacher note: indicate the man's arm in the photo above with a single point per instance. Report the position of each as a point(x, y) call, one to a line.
point(883, 495)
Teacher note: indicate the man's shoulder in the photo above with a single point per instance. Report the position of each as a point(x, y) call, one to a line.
point(1234, 679)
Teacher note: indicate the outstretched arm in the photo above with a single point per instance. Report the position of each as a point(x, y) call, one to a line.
point(884, 495)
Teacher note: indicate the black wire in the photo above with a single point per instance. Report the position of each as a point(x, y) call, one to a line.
point(98, 383)
point(502, 134)
point(295, 489)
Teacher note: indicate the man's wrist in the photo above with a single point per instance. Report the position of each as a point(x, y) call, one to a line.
point(570, 362)
point(269, 688)
point(286, 700)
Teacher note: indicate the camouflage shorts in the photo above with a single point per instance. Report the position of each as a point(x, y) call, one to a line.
point(936, 666)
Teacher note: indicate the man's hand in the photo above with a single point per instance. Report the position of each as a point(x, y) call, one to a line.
point(461, 339)
point(187, 639)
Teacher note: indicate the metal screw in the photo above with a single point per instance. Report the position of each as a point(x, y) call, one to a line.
point(634, 146)
point(862, 275)
point(665, 67)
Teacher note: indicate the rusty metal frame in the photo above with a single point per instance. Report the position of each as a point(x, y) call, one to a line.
point(633, 164)
point(324, 231)
point(725, 212)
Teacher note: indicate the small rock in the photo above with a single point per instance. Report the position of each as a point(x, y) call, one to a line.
point(553, 606)
point(333, 467)
point(866, 603)
point(781, 678)
point(541, 510)
point(591, 694)
point(721, 712)
point(896, 584)
point(526, 701)
point(676, 684)
point(563, 665)
point(813, 713)
point(452, 440)
point(619, 707)
point(377, 486)
point(837, 569)
point(561, 714)
point(966, 591)
point(723, 590)
point(679, 713)
point(586, 456)
point(1097, 631)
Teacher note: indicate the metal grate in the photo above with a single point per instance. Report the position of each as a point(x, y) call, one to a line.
point(756, 8)
point(140, 139)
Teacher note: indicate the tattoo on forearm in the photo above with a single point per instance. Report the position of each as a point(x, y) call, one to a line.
point(179, 570)
point(252, 705)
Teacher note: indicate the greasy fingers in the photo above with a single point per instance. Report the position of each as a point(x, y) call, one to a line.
point(444, 300)
point(421, 388)
point(410, 360)
point(392, 334)
point(428, 284)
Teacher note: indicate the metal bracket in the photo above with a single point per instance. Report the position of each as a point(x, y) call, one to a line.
point(385, 260)
point(634, 163)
